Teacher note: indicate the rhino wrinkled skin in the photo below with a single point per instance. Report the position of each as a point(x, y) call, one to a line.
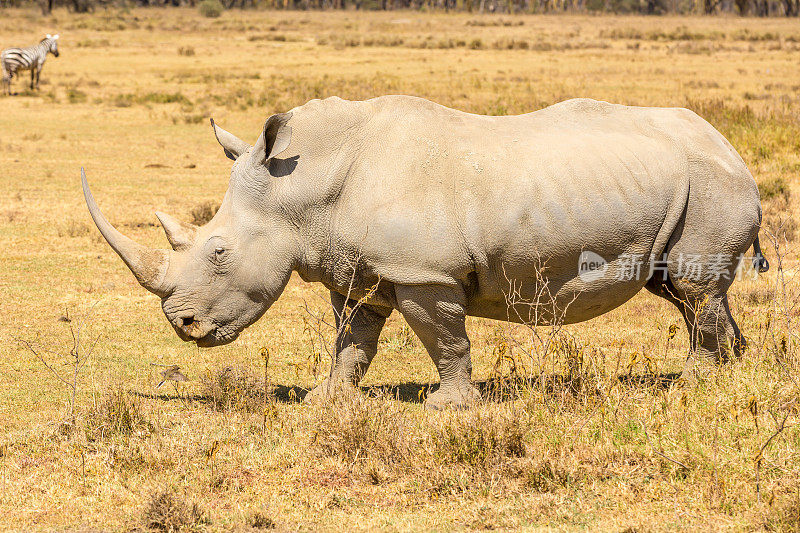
point(449, 213)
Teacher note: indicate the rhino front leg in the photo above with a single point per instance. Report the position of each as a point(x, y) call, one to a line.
point(356, 344)
point(437, 315)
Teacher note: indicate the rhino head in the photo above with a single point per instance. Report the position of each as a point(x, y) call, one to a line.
point(221, 277)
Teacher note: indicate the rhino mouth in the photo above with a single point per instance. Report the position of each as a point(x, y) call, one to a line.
point(215, 337)
point(212, 339)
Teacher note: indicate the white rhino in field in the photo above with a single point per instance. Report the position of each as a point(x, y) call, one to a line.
point(446, 211)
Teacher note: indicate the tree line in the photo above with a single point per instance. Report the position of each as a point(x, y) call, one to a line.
point(761, 8)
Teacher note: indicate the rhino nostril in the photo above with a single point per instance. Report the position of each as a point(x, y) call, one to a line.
point(188, 321)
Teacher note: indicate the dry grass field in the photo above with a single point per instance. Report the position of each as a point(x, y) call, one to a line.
point(603, 439)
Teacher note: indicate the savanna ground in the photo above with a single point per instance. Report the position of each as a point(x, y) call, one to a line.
point(603, 437)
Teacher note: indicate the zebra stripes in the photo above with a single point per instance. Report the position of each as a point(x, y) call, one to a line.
point(31, 58)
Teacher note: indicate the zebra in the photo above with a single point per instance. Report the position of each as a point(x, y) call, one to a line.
point(31, 58)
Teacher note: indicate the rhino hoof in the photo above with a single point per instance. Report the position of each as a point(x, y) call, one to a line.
point(453, 398)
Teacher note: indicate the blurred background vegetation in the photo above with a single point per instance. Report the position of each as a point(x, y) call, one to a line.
point(213, 8)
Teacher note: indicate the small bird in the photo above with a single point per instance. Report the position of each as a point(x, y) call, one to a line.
point(171, 373)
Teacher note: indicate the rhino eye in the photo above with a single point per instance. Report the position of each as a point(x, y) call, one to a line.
point(219, 254)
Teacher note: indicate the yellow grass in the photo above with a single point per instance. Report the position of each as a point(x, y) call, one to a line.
point(129, 99)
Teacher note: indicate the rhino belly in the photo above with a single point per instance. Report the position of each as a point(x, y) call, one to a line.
point(528, 300)
point(572, 247)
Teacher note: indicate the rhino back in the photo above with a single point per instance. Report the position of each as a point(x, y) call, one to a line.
point(448, 190)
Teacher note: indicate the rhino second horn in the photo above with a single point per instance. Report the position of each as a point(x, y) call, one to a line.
point(148, 265)
point(179, 234)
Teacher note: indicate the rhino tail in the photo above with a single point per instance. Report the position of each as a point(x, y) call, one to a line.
point(759, 261)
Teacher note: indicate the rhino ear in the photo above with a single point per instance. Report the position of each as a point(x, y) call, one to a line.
point(275, 138)
point(233, 145)
point(179, 234)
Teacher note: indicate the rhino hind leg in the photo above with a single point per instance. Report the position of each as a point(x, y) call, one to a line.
point(356, 345)
point(437, 315)
point(713, 333)
point(715, 336)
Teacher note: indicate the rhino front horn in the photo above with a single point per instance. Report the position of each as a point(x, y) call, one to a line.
point(149, 266)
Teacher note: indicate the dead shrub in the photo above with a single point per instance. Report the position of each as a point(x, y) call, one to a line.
point(353, 426)
point(784, 514)
point(73, 229)
point(511, 44)
point(774, 188)
point(68, 371)
point(478, 439)
point(117, 414)
point(546, 475)
point(138, 456)
point(169, 512)
point(444, 480)
point(376, 472)
point(204, 212)
point(131, 458)
point(783, 225)
point(759, 295)
point(259, 520)
point(233, 389)
point(583, 369)
point(723, 115)
point(231, 479)
point(14, 215)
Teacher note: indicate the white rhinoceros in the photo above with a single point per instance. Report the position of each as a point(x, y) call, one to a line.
point(449, 212)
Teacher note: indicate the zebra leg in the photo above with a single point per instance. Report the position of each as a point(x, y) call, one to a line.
point(38, 73)
point(33, 77)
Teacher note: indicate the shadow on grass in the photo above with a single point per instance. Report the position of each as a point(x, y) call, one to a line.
point(497, 391)
point(509, 388)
